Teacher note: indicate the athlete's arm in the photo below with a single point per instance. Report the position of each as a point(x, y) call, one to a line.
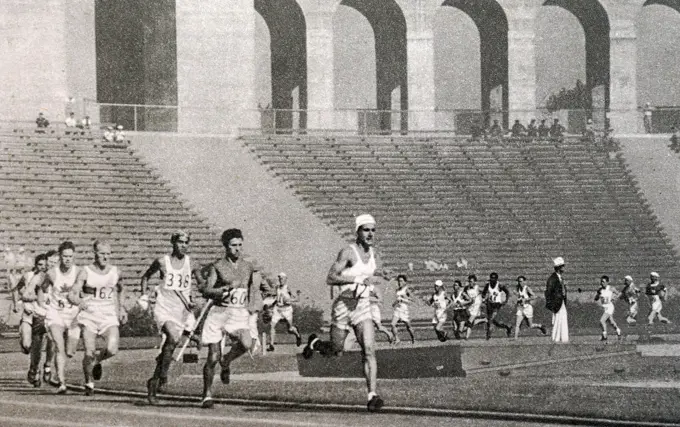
point(74, 295)
point(210, 291)
point(122, 313)
point(344, 260)
point(29, 292)
point(254, 294)
point(597, 294)
point(154, 268)
point(531, 294)
point(42, 286)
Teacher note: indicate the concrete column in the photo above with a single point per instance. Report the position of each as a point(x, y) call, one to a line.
point(320, 73)
point(81, 56)
point(521, 60)
point(623, 113)
point(33, 69)
point(216, 65)
point(420, 53)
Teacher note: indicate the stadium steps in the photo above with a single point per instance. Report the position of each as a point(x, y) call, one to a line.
point(55, 187)
point(446, 198)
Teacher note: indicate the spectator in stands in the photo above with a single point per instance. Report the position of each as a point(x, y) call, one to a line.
point(532, 130)
point(85, 123)
point(42, 123)
point(518, 130)
point(495, 131)
point(556, 130)
point(543, 130)
point(119, 135)
point(648, 117)
point(70, 121)
point(477, 131)
point(108, 134)
point(589, 131)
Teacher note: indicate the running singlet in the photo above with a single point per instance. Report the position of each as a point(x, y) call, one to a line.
point(283, 296)
point(439, 300)
point(402, 297)
point(101, 290)
point(361, 270)
point(29, 306)
point(58, 295)
point(606, 296)
point(495, 294)
point(523, 297)
point(458, 300)
point(236, 276)
point(178, 280)
point(475, 295)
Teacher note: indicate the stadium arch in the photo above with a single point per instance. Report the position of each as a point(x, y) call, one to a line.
point(492, 23)
point(288, 45)
point(595, 22)
point(389, 28)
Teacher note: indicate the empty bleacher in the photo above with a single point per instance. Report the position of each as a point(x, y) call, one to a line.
point(503, 206)
point(56, 187)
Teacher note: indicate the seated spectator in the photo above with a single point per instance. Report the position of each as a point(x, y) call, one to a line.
point(556, 130)
point(543, 130)
point(589, 131)
point(496, 130)
point(518, 129)
point(42, 123)
point(70, 121)
point(85, 123)
point(119, 135)
point(532, 130)
point(108, 134)
point(477, 131)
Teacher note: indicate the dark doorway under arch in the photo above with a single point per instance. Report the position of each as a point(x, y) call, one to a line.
point(287, 29)
point(492, 24)
point(389, 27)
point(595, 23)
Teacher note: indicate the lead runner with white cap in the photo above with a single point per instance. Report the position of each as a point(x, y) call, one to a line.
point(356, 270)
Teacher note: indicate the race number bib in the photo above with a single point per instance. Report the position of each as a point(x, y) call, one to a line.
point(236, 298)
point(104, 294)
point(177, 282)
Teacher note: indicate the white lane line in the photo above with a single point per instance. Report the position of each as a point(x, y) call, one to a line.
point(43, 422)
point(158, 414)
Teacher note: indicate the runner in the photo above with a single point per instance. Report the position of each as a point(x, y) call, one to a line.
point(283, 310)
point(355, 270)
point(61, 310)
point(656, 293)
point(605, 296)
point(525, 310)
point(400, 311)
point(101, 311)
point(234, 286)
point(496, 296)
point(630, 294)
point(173, 308)
point(439, 301)
point(32, 324)
point(460, 302)
point(475, 308)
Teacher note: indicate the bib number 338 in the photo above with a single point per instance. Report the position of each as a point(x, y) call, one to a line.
point(177, 282)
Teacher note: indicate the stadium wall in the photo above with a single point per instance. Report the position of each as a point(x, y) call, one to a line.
point(657, 170)
point(227, 185)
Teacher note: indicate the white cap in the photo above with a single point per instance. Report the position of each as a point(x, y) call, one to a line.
point(558, 261)
point(119, 127)
point(363, 220)
point(282, 274)
point(630, 279)
point(439, 283)
point(655, 274)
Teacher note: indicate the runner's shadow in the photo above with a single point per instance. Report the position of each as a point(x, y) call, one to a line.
point(275, 409)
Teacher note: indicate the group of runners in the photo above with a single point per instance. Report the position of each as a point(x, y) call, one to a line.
point(472, 305)
point(63, 301)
